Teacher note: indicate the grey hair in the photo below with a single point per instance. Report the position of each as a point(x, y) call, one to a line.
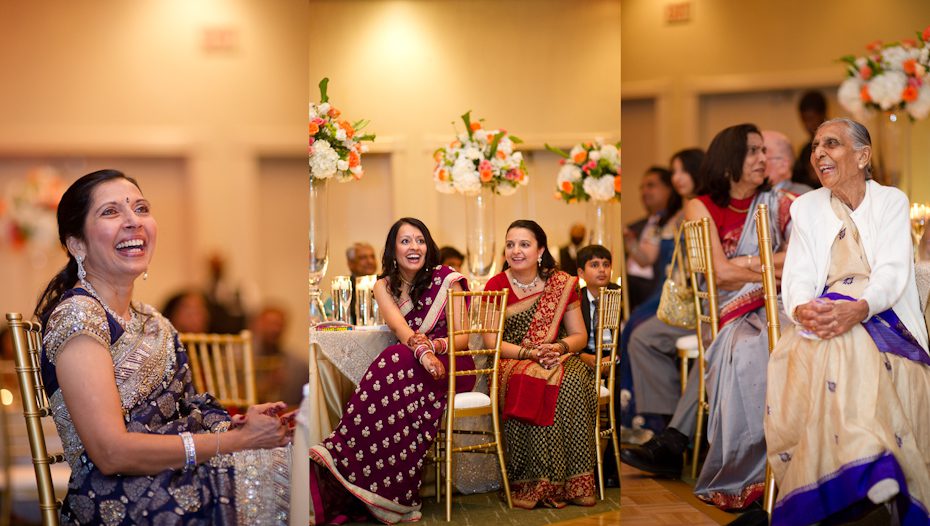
point(859, 135)
point(350, 252)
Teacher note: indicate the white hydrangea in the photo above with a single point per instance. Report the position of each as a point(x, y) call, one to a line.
point(611, 153)
point(445, 187)
point(323, 160)
point(850, 98)
point(568, 173)
point(342, 165)
point(324, 108)
point(465, 177)
point(893, 57)
point(472, 152)
point(341, 134)
point(920, 108)
point(576, 150)
point(885, 89)
point(600, 189)
point(505, 145)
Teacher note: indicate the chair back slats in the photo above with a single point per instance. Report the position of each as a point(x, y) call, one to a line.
point(223, 365)
point(610, 307)
point(27, 344)
point(472, 313)
point(771, 317)
point(700, 262)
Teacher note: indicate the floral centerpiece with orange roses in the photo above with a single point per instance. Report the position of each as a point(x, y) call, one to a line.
point(480, 158)
point(27, 210)
point(591, 170)
point(336, 146)
point(890, 77)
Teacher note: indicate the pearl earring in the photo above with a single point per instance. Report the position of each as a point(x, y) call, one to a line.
point(145, 275)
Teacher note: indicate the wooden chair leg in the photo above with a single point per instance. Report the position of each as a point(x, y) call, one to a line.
point(438, 458)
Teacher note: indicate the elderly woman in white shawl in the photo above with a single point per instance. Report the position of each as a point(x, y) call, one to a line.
point(847, 425)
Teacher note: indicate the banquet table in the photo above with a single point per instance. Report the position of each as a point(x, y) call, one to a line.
point(338, 360)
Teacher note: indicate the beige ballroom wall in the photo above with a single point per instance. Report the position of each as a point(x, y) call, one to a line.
point(547, 71)
point(210, 127)
point(739, 61)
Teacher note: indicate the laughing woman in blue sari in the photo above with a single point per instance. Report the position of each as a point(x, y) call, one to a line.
point(847, 425)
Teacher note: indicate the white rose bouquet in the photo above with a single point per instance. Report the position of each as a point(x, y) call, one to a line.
point(336, 146)
point(591, 170)
point(479, 158)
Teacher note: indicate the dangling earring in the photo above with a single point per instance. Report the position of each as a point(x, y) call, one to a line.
point(539, 260)
point(80, 265)
point(145, 275)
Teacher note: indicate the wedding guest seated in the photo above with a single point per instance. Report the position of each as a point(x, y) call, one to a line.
point(371, 463)
point(643, 237)
point(778, 161)
point(289, 370)
point(188, 311)
point(143, 447)
point(846, 424)
point(735, 184)
point(594, 267)
point(549, 405)
point(644, 330)
point(451, 257)
point(361, 260)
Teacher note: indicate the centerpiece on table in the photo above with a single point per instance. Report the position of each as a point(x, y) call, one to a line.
point(336, 148)
point(478, 164)
point(890, 80)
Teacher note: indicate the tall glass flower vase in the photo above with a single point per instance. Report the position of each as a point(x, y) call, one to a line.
point(603, 228)
point(319, 246)
point(893, 165)
point(479, 237)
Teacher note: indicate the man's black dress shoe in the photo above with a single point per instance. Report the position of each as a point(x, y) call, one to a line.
point(660, 456)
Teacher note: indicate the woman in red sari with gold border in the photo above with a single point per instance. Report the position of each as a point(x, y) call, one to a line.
point(549, 405)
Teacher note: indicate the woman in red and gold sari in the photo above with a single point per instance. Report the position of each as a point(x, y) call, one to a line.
point(549, 405)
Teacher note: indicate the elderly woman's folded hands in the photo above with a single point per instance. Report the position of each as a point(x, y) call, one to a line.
point(827, 318)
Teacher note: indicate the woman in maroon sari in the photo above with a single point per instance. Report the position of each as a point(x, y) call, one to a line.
point(374, 457)
point(546, 390)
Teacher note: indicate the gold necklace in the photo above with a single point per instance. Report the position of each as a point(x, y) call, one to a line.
point(738, 210)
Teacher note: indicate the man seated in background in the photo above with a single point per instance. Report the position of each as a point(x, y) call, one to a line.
point(569, 253)
point(280, 375)
point(641, 237)
point(778, 161)
point(360, 257)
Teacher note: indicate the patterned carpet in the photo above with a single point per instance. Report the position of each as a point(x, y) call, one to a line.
point(487, 509)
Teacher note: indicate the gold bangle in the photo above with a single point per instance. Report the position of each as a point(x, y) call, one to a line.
point(217, 444)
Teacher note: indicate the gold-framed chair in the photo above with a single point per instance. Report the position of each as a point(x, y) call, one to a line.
point(223, 365)
point(687, 347)
point(773, 326)
point(483, 315)
point(701, 265)
point(610, 307)
point(27, 344)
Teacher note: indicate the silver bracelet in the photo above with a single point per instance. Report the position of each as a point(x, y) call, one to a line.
point(190, 452)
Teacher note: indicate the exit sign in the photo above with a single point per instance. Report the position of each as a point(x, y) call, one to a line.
point(678, 13)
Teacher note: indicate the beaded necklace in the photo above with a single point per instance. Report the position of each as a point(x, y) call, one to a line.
point(133, 325)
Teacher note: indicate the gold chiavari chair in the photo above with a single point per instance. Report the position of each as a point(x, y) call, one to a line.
point(701, 265)
point(27, 344)
point(483, 315)
point(771, 317)
point(223, 365)
point(610, 305)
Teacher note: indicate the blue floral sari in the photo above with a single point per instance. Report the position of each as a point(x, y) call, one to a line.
point(154, 382)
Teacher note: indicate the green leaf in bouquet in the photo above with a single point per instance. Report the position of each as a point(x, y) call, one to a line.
point(323, 85)
point(516, 140)
point(494, 142)
point(466, 118)
point(558, 151)
point(366, 137)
